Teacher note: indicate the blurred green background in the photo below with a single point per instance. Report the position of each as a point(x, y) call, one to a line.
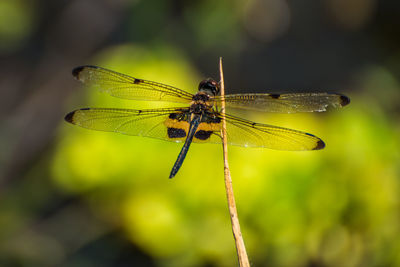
point(74, 197)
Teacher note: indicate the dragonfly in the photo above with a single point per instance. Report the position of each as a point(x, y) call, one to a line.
point(199, 119)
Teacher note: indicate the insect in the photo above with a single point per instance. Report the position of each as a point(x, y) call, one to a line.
point(200, 120)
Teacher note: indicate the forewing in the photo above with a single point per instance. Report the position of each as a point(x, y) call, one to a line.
point(246, 133)
point(148, 123)
point(286, 103)
point(124, 86)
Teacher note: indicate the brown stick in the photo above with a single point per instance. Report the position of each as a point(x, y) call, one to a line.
point(237, 234)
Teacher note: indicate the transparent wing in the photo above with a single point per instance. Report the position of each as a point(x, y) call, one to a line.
point(158, 123)
point(246, 133)
point(148, 123)
point(285, 103)
point(124, 86)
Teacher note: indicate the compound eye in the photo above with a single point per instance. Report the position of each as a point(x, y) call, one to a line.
point(209, 86)
point(214, 87)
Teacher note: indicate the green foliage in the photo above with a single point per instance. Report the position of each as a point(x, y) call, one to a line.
point(16, 23)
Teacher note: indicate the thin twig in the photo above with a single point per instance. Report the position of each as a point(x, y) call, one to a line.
point(237, 234)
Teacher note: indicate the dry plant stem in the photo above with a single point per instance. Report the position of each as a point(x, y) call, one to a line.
point(237, 234)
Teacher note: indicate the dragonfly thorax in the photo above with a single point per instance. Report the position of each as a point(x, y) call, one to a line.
point(201, 103)
point(199, 108)
point(201, 97)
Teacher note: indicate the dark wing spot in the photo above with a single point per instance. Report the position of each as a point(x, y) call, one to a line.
point(203, 135)
point(175, 116)
point(172, 116)
point(344, 100)
point(76, 71)
point(176, 133)
point(275, 96)
point(213, 120)
point(320, 145)
point(137, 81)
point(179, 116)
point(69, 117)
point(210, 118)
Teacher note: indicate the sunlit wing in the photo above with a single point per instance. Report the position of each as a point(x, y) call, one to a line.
point(155, 123)
point(158, 123)
point(124, 86)
point(286, 103)
point(148, 123)
point(246, 133)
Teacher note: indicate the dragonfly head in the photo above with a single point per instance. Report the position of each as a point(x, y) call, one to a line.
point(209, 86)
